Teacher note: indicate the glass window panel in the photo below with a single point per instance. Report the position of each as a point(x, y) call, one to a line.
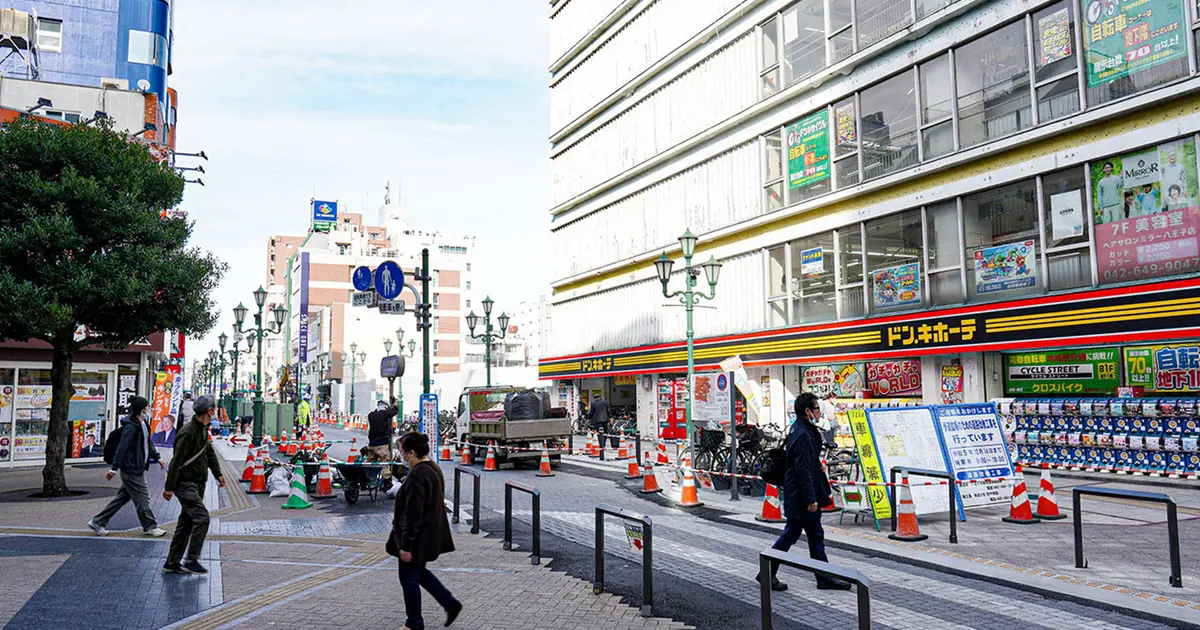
point(946, 288)
point(850, 255)
point(943, 247)
point(845, 126)
point(86, 414)
point(1069, 270)
point(141, 47)
point(841, 46)
point(813, 278)
point(840, 15)
point(1000, 217)
point(893, 242)
point(1054, 37)
point(850, 300)
point(770, 83)
point(773, 197)
point(936, 97)
point(776, 272)
point(1147, 61)
point(938, 140)
point(49, 35)
point(879, 18)
point(845, 171)
point(927, 7)
point(1063, 205)
point(773, 156)
point(992, 77)
point(1058, 99)
point(770, 44)
point(803, 40)
point(777, 316)
point(889, 126)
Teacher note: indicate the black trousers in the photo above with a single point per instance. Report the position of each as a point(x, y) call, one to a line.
point(810, 524)
point(413, 577)
point(192, 527)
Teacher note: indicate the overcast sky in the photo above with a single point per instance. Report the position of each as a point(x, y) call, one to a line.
point(292, 99)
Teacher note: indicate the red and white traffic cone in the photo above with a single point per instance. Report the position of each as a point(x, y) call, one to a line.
point(465, 452)
point(1047, 507)
point(445, 455)
point(907, 528)
point(772, 511)
point(258, 483)
point(623, 449)
point(490, 462)
point(662, 454)
point(1020, 512)
point(649, 480)
point(633, 471)
point(544, 466)
point(324, 480)
point(688, 497)
point(248, 471)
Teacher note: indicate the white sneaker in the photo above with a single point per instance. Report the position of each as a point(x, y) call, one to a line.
point(100, 531)
point(157, 532)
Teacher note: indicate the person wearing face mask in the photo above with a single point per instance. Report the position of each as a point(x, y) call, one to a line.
point(805, 490)
point(186, 477)
point(420, 531)
point(135, 451)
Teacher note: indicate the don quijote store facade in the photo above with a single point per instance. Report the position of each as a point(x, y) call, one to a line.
point(918, 203)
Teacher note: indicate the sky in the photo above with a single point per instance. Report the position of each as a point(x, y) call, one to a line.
point(295, 99)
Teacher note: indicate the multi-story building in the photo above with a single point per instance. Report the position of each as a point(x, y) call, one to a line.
point(907, 196)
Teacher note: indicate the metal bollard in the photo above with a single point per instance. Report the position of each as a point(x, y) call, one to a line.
point(771, 557)
point(647, 554)
point(1176, 577)
point(478, 475)
point(536, 494)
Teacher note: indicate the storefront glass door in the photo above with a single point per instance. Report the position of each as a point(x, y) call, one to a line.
point(88, 415)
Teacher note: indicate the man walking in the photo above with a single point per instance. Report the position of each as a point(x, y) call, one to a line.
point(186, 411)
point(598, 414)
point(134, 453)
point(805, 490)
point(186, 478)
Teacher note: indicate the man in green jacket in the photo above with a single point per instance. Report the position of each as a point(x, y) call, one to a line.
point(186, 477)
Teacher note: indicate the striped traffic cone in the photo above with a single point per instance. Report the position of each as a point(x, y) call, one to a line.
point(1019, 512)
point(352, 458)
point(688, 497)
point(634, 471)
point(445, 455)
point(772, 511)
point(324, 480)
point(649, 480)
point(465, 451)
point(248, 471)
point(662, 454)
point(258, 483)
point(1047, 507)
point(592, 450)
point(544, 467)
point(623, 449)
point(906, 516)
point(298, 499)
point(490, 462)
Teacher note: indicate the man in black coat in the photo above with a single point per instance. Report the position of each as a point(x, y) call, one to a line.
point(134, 453)
point(598, 415)
point(805, 490)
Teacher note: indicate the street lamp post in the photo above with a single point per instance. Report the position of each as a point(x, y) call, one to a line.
point(689, 297)
point(221, 340)
point(239, 318)
point(212, 373)
point(488, 336)
point(260, 299)
point(356, 358)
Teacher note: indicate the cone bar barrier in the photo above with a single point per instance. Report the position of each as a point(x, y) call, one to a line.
point(649, 480)
point(936, 474)
point(1176, 577)
point(465, 453)
point(1020, 512)
point(1047, 507)
point(647, 553)
point(687, 495)
point(544, 466)
point(536, 495)
point(633, 471)
point(771, 510)
point(258, 485)
point(444, 455)
point(769, 559)
point(458, 473)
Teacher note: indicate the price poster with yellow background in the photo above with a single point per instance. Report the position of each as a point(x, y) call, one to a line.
point(868, 456)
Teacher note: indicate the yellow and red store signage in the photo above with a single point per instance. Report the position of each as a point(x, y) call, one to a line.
point(1160, 311)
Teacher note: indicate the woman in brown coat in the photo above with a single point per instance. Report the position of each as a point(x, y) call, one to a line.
point(420, 532)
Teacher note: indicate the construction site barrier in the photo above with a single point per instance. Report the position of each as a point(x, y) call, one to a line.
point(1176, 577)
point(936, 474)
point(769, 559)
point(647, 553)
point(536, 495)
point(478, 475)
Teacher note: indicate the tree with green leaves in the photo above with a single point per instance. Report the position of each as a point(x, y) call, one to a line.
point(85, 246)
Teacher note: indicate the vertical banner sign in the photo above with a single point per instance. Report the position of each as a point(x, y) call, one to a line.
point(897, 286)
point(864, 443)
point(808, 150)
point(1124, 38)
point(754, 397)
point(303, 310)
point(1054, 37)
point(975, 449)
point(162, 421)
point(429, 418)
point(1005, 267)
point(952, 384)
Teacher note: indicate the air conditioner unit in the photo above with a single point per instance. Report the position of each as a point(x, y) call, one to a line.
point(116, 84)
point(17, 25)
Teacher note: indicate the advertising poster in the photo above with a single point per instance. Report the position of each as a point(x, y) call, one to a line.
point(162, 417)
point(952, 384)
point(7, 394)
point(1054, 37)
point(1147, 214)
point(847, 136)
point(892, 379)
point(1093, 371)
point(86, 415)
point(908, 436)
point(817, 380)
point(1123, 38)
point(808, 150)
point(975, 449)
point(864, 444)
point(897, 286)
point(812, 262)
point(710, 399)
point(848, 381)
point(1066, 214)
point(765, 386)
point(31, 412)
point(1005, 267)
point(1163, 369)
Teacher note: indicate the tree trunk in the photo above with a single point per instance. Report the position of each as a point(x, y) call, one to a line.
point(54, 479)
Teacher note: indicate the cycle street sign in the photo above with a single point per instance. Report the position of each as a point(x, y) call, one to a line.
point(362, 278)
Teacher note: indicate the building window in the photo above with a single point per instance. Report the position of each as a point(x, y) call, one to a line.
point(880, 18)
point(773, 171)
point(850, 272)
point(147, 48)
point(889, 126)
point(894, 247)
point(452, 249)
point(436, 344)
point(468, 284)
point(943, 253)
point(812, 288)
point(1055, 62)
point(803, 40)
point(468, 303)
point(49, 35)
point(769, 72)
point(1003, 247)
point(840, 43)
point(435, 300)
point(1115, 68)
point(937, 107)
point(343, 249)
point(468, 266)
point(845, 143)
point(71, 117)
point(992, 80)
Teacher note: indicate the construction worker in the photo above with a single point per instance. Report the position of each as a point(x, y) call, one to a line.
point(302, 411)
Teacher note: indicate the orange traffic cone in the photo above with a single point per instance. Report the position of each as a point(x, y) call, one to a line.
point(490, 462)
point(324, 480)
point(1019, 512)
point(353, 456)
point(445, 455)
point(544, 468)
point(465, 449)
point(633, 471)
point(649, 481)
point(593, 447)
point(906, 516)
point(623, 449)
point(1047, 508)
point(662, 454)
point(248, 471)
point(772, 511)
point(258, 483)
point(688, 497)
point(831, 506)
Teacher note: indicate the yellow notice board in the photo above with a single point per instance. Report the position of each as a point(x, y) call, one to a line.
point(872, 473)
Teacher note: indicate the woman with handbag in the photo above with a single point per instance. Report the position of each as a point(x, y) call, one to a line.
point(420, 531)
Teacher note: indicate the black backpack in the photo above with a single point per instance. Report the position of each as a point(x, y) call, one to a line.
point(110, 445)
point(774, 466)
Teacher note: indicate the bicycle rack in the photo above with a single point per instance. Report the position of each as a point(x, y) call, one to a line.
point(647, 553)
point(478, 475)
point(771, 557)
point(536, 495)
point(1176, 577)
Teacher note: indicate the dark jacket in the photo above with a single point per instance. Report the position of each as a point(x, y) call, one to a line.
point(419, 525)
point(805, 481)
point(379, 426)
point(598, 414)
point(132, 456)
point(190, 440)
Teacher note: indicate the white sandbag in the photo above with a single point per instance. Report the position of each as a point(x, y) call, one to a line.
point(279, 484)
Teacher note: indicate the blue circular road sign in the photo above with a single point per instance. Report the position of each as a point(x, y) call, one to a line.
point(362, 278)
point(389, 280)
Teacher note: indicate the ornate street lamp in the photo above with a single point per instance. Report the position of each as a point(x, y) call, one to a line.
point(356, 359)
point(256, 339)
point(488, 335)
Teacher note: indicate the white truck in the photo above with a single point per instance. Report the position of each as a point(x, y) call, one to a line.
point(483, 420)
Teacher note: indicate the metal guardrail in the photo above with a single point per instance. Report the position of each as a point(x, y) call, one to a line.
point(767, 560)
point(937, 474)
point(478, 475)
point(536, 494)
point(1176, 577)
point(647, 553)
